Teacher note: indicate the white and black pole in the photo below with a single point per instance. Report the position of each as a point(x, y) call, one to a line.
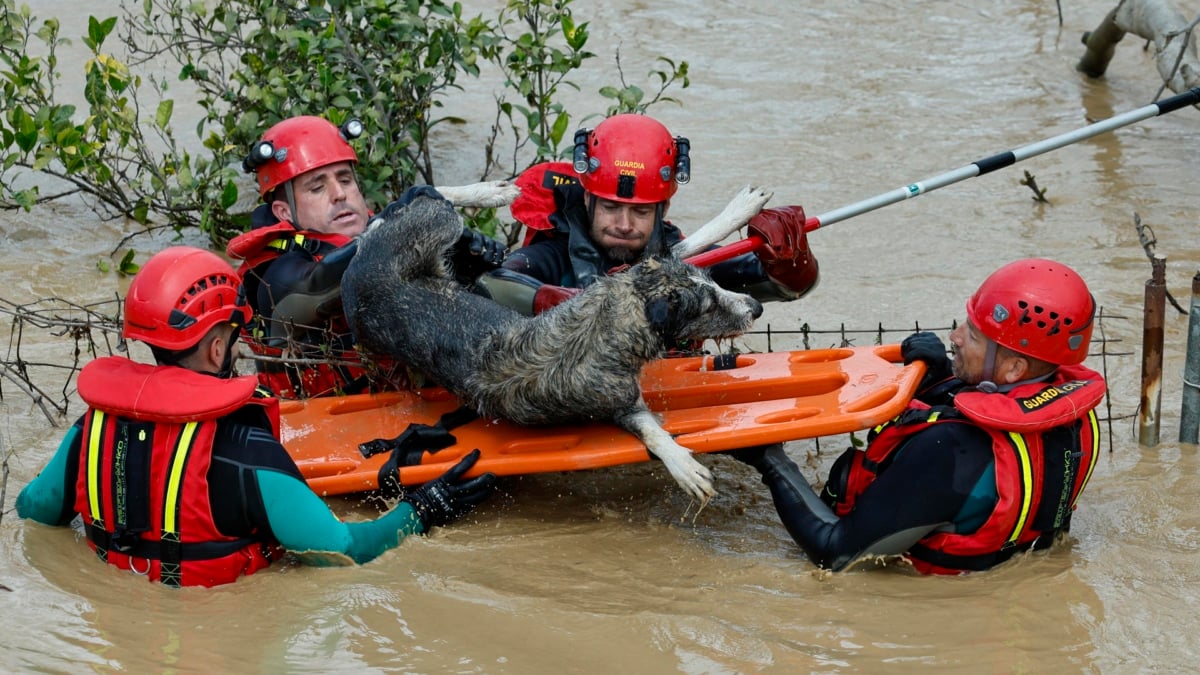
point(976, 168)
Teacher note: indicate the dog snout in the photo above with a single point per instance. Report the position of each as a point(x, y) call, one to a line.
point(756, 308)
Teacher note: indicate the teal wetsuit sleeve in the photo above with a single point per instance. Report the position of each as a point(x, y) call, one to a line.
point(50, 498)
point(303, 524)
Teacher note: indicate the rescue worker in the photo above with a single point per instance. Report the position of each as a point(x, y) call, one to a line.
point(610, 210)
point(988, 461)
point(301, 240)
point(176, 471)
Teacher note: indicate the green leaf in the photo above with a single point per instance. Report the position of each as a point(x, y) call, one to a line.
point(127, 266)
point(229, 195)
point(25, 130)
point(577, 37)
point(42, 161)
point(98, 30)
point(26, 198)
point(141, 213)
point(163, 115)
point(559, 129)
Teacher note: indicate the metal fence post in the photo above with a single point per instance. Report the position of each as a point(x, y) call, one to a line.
point(1152, 354)
point(1189, 412)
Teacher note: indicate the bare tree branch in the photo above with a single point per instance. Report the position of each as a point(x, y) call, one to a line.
point(1159, 23)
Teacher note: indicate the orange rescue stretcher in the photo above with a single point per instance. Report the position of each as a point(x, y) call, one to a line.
point(762, 398)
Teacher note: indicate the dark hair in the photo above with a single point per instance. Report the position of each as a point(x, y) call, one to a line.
point(173, 357)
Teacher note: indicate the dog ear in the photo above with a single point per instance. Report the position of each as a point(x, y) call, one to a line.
point(668, 313)
point(660, 315)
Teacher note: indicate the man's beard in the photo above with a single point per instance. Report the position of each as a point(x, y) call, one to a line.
point(623, 254)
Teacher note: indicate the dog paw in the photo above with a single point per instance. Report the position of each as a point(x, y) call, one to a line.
point(745, 205)
point(693, 477)
point(748, 202)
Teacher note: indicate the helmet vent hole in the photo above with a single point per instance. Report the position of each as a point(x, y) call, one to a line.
point(179, 320)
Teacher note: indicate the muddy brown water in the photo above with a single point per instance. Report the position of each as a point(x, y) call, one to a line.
point(611, 570)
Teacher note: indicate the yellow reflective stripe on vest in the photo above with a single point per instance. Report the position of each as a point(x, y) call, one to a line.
point(1094, 423)
point(934, 415)
point(283, 243)
point(1022, 452)
point(175, 478)
point(95, 434)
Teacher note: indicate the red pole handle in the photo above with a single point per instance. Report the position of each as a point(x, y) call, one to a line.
point(737, 248)
point(725, 252)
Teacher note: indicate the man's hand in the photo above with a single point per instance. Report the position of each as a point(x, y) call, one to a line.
point(784, 253)
point(930, 349)
point(448, 497)
point(476, 253)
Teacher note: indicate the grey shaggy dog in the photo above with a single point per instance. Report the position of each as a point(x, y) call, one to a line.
point(580, 361)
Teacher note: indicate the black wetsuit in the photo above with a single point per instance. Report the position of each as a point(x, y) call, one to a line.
point(255, 489)
point(941, 477)
point(567, 257)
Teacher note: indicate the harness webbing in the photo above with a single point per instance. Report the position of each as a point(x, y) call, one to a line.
point(169, 550)
point(170, 570)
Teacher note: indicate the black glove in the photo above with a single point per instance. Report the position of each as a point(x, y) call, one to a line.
point(476, 253)
point(447, 497)
point(927, 347)
point(407, 450)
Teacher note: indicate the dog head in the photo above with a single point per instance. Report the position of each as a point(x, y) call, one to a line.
point(683, 304)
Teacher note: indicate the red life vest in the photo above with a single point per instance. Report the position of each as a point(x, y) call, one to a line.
point(264, 244)
point(142, 488)
point(256, 249)
point(1038, 483)
point(533, 207)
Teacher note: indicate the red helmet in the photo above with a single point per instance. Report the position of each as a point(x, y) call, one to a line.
point(631, 158)
point(179, 295)
point(297, 145)
point(1037, 307)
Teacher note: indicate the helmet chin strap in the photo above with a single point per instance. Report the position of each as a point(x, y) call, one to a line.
point(290, 196)
point(226, 371)
point(989, 366)
point(988, 386)
point(655, 245)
